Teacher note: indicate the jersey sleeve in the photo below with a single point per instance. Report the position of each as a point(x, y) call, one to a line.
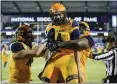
point(75, 31)
point(15, 47)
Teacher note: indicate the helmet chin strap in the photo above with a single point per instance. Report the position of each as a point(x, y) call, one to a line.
point(64, 21)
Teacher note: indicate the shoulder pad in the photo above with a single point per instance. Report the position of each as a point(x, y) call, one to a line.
point(74, 34)
point(75, 23)
point(15, 47)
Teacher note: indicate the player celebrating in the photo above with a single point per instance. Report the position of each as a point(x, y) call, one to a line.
point(21, 56)
point(82, 46)
point(62, 63)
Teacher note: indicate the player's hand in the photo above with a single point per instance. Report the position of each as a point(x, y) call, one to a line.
point(41, 48)
point(52, 46)
point(80, 78)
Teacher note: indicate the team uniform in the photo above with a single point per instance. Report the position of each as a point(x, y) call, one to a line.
point(4, 57)
point(62, 64)
point(84, 55)
point(19, 70)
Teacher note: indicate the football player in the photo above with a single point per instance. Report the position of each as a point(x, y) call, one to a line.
point(4, 55)
point(61, 64)
point(82, 46)
point(21, 55)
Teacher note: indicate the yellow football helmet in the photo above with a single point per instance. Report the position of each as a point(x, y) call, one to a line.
point(57, 7)
point(58, 13)
point(84, 28)
point(26, 32)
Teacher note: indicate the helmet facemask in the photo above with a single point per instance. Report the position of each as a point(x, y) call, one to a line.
point(59, 18)
point(26, 36)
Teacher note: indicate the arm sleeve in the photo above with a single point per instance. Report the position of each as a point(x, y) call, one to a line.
point(75, 33)
point(104, 56)
point(16, 47)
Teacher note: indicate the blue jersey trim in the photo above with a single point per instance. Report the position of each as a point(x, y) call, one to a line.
point(75, 24)
point(15, 47)
point(75, 34)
